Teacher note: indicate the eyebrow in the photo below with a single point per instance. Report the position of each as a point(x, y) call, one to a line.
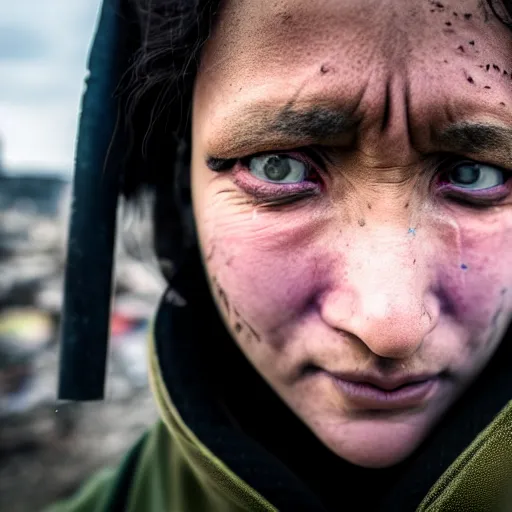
point(262, 129)
point(476, 138)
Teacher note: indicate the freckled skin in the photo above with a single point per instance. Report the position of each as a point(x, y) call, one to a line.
point(331, 281)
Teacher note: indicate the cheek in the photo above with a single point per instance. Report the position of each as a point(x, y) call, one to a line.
point(267, 266)
point(475, 277)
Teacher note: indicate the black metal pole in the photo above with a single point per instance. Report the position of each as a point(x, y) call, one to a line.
point(92, 229)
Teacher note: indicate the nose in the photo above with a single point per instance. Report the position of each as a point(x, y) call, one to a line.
point(386, 303)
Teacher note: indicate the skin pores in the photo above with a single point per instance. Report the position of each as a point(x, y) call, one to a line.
point(391, 256)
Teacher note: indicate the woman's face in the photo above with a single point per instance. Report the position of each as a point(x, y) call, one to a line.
point(354, 207)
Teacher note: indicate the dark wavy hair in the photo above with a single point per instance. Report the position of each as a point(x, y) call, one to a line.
point(166, 41)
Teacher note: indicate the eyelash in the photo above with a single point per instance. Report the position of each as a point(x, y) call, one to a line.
point(315, 161)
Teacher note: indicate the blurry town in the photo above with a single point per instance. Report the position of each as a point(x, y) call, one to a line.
point(48, 448)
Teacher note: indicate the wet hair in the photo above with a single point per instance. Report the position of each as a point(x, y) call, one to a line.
point(156, 97)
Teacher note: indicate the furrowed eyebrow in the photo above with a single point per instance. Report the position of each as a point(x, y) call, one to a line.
point(319, 123)
point(476, 138)
point(261, 128)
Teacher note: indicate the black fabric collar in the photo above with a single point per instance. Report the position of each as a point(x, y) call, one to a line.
point(239, 418)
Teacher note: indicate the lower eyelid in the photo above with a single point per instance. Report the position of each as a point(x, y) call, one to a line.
point(255, 186)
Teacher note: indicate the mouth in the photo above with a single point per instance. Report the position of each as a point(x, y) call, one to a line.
point(367, 392)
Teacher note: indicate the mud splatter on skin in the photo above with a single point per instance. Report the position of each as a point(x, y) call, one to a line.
point(211, 252)
point(243, 325)
point(221, 294)
point(240, 325)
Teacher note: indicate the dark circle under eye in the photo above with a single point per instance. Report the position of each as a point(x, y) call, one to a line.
point(276, 168)
point(466, 174)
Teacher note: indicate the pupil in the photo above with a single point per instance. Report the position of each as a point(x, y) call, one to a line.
point(466, 174)
point(277, 168)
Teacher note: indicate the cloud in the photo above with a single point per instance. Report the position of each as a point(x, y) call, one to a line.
point(43, 53)
point(28, 44)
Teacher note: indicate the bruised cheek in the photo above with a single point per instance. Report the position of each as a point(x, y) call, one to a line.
point(267, 266)
point(475, 277)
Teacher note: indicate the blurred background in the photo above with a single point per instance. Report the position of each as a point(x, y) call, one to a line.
point(46, 447)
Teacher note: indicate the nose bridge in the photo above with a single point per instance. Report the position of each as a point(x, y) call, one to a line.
point(386, 300)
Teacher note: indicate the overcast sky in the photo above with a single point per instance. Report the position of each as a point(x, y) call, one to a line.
point(43, 51)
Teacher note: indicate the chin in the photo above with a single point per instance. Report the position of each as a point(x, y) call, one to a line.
point(378, 442)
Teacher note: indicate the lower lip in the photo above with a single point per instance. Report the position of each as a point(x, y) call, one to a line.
point(366, 396)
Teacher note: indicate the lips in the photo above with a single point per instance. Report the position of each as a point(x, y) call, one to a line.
point(371, 392)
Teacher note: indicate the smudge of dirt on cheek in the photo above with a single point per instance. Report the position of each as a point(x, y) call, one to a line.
point(325, 68)
point(239, 324)
point(243, 328)
point(210, 252)
point(221, 294)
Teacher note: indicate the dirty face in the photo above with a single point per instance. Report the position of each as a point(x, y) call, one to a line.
point(352, 187)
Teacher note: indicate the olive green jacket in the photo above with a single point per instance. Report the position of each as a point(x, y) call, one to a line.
point(171, 470)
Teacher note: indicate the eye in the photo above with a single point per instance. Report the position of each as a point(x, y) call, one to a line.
point(474, 176)
point(278, 168)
